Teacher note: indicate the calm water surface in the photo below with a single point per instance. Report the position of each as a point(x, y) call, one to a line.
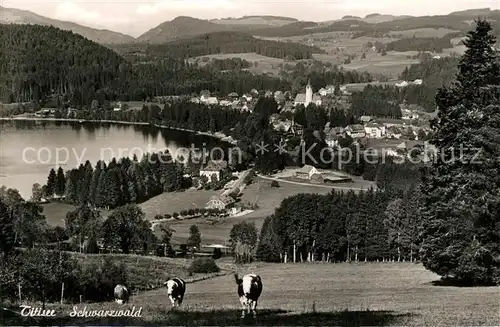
point(29, 149)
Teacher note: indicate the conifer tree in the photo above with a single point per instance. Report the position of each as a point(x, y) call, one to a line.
point(461, 190)
point(51, 183)
point(60, 185)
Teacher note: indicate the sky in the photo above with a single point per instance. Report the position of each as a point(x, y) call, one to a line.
point(136, 17)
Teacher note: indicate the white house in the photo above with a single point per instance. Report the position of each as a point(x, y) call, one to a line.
point(213, 168)
point(332, 140)
point(375, 130)
point(306, 172)
point(355, 131)
point(418, 82)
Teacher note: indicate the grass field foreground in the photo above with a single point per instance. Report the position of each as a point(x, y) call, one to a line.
point(374, 294)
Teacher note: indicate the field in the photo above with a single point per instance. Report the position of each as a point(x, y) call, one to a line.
point(374, 294)
point(260, 192)
point(262, 64)
point(267, 198)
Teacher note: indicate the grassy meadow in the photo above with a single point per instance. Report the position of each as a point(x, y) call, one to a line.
point(375, 294)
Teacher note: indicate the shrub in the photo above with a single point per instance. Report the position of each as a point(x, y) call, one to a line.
point(203, 266)
point(168, 216)
point(217, 254)
point(184, 213)
point(191, 212)
point(197, 210)
point(275, 184)
point(176, 215)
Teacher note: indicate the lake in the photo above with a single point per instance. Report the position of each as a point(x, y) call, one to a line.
point(29, 149)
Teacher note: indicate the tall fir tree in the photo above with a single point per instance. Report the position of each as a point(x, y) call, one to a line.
point(51, 183)
point(60, 182)
point(460, 235)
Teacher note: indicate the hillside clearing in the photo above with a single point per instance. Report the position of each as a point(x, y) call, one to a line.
point(261, 64)
point(372, 294)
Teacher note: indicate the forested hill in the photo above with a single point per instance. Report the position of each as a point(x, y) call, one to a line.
point(102, 36)
point(46, 64)
point(39, 60)
point(221, 42)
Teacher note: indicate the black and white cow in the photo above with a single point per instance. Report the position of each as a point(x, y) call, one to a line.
point(249, 290)
point(121, 294)
point(176, 288)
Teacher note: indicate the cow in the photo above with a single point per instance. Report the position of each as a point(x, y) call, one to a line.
point(176, 287)
point(249, 290)
point(121, 294)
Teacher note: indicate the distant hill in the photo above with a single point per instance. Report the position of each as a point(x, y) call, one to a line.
point(474, 12)
point(257, 21)
point(380, 24)
point(186, 27)
point(17, 16)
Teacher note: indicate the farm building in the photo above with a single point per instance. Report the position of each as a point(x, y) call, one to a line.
point(213, 168)
point(306, 172)
point(219, 202)
point(355, 131)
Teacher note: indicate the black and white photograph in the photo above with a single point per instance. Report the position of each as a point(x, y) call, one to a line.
point(249, 163)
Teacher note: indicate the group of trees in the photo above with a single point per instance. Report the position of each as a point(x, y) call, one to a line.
point(434, 44)
point(340, 226)
point(230, 42)
point(118, 182)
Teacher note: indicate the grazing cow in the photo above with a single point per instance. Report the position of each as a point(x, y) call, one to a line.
point(121, 294)
point(176, 288)
point(249, 290)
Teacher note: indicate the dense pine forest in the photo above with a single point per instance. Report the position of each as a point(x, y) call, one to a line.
point(38, 60)
point(423, 44)
point(221, 42)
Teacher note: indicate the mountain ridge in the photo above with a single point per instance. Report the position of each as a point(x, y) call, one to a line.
point(101, 36)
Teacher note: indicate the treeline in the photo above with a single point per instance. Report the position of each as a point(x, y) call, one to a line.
point(227, 64)
point(384, 101)
point(422, 44)
point(367, 226)
point(120, 182)
point(349, 226)
point(230, 42)
point(376, 101)
point(434, 72)
point(320, 75)
point(159, 79)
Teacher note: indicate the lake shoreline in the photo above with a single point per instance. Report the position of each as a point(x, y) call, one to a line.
point(217, 135)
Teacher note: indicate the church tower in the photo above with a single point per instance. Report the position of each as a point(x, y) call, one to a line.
point(309, 93)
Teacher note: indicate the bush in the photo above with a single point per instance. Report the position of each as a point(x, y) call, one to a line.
point(217, 254)
point(275, 184)
point(168, 216)
point(203, 266)
point(176, 215)
point(191, 212)
point(184, 213)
